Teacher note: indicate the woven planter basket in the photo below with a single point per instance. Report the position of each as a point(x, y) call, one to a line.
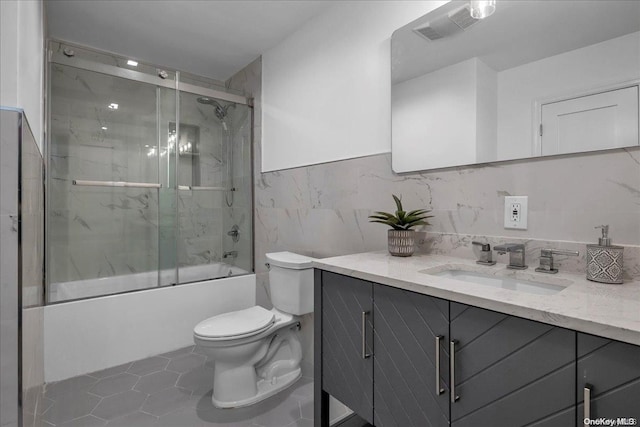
point(401, 242)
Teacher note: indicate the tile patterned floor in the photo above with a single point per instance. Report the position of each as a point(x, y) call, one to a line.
point(169, 390)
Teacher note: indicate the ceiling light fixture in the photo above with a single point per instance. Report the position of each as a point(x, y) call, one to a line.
point(481, 9)
point(103, 128)
point(132, 63)
point(113, 106)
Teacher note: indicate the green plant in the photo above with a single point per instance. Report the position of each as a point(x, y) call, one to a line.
point(402, 220)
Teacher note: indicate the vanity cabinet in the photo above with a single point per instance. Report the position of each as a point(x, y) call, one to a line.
point(411, 361)
point(608, 379)
point(509, 371)
point(347, 336)
point(401, 359)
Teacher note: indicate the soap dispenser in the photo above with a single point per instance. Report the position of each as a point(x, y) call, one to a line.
point(604, 261)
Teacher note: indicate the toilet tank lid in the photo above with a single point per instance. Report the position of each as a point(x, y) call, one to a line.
point(289, 260)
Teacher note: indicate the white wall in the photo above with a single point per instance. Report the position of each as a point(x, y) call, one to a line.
point(486, 112)
point(335, 71)
point(437, 110)
point(122, 328)
point(22, 60)
point(594, 66)
point(448, 116)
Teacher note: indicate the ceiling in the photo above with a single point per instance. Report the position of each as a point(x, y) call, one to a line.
point(214, 39)
point(518, 32)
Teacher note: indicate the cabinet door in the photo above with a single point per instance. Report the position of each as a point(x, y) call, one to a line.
point(511, 372)
point(611, 370)
point(405, 371)
point(347, 367)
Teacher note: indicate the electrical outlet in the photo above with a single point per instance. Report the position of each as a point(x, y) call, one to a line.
point(515, 212)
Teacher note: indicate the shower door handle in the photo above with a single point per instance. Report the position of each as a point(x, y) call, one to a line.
point(87, 183)
point(197, 188)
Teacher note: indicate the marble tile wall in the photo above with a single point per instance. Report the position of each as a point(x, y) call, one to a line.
point(32, 220)
point(32, 283)
point(9, 309)
point(322, 210)
point(20, 241)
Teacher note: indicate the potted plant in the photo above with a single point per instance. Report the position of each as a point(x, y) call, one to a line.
point(401, 236)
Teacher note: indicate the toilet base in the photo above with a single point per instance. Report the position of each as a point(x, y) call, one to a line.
point(266, 389)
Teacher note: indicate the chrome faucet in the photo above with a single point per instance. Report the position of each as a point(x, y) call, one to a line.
point(234, 233)
point(516, 255)
point(485, 254)
point(546, 259)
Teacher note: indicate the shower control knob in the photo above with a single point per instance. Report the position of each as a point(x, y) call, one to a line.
point(234, 233)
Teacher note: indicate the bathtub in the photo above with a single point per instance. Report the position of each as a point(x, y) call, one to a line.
point(91, 334)
point(79, 289)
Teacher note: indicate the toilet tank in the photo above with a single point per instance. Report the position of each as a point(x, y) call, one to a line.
point(291, 282)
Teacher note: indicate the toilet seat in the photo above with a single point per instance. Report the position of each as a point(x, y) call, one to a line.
point(235, 325)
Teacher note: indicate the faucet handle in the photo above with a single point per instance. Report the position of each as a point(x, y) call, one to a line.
point(485, 254)
point(552, 252)
point(484, 246)
point(546, 259)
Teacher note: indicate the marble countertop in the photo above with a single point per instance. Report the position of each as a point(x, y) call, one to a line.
point(611, 311)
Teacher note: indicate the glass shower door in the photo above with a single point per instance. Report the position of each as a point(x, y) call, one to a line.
point(214, 182)
point(103, 185)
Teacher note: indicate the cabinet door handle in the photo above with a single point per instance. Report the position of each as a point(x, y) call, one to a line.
point(452, 366)
point(587, 403)
point(365, 355)
point(439, 390)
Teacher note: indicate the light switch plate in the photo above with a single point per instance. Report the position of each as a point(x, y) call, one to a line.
point(515, 212)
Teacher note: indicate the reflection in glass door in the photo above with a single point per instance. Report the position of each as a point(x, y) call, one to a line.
point(103, 186)
point(146, 186)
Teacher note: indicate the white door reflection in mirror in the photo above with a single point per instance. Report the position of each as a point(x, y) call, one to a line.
point(589, 123)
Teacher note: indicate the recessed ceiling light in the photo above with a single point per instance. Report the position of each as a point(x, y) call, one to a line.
point(113, 106)
point(132, 63)
point(104, 128)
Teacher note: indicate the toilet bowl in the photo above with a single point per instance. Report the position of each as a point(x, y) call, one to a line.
point(256, 352)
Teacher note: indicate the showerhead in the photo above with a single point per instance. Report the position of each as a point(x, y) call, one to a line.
point(208, 101)
point(220, 111)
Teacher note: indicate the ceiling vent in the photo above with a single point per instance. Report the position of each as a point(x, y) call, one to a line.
point(428, 32)
point(446, 26)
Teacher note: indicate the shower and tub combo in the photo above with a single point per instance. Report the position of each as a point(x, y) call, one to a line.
point(149, 209)
point(149, 178)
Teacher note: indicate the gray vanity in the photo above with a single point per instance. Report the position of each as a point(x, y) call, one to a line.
point(403, 346)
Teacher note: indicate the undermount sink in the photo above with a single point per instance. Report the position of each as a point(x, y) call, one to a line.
point(512, 283)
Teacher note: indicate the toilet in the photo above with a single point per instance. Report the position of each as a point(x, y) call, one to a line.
point(256, 352)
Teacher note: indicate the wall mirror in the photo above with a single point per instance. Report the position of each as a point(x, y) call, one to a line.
point(535, 78)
